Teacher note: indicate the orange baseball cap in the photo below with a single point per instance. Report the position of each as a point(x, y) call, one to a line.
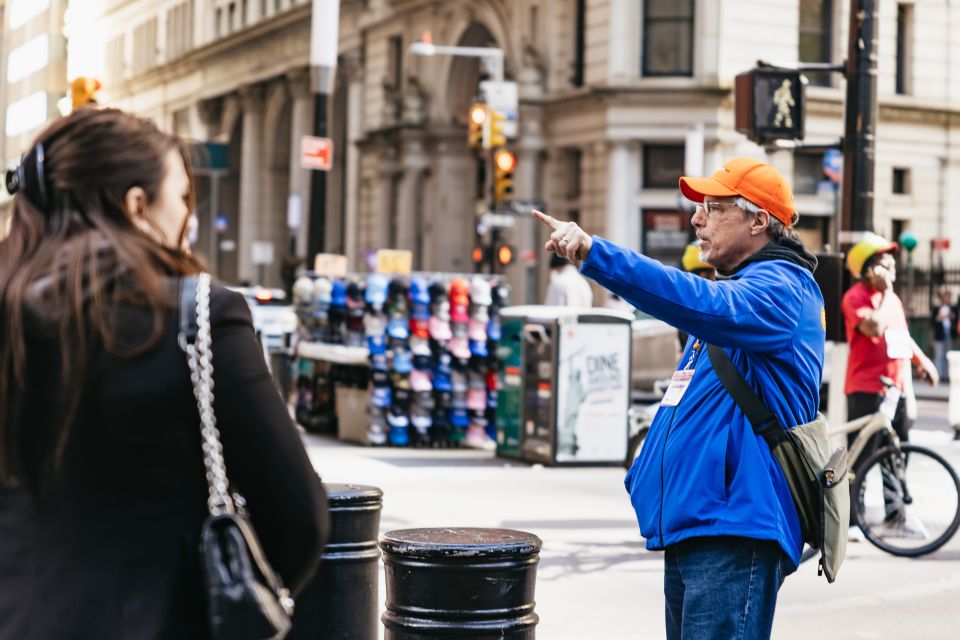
point(756, 181)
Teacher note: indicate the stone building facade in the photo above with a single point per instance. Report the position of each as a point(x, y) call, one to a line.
point(616, 96)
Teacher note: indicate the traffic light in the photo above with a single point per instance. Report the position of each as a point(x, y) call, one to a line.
point(83, 91)
point(478, 125)
point(497, 136)
point(769, 104)
point(504, 254)
point(504, 162)
point(478, 255)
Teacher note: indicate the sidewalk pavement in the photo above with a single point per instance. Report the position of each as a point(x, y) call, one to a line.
point(924, 391)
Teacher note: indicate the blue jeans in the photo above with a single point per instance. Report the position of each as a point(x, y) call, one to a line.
point(722, 588)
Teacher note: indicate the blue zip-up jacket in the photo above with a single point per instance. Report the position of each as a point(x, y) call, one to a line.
point(702, 471)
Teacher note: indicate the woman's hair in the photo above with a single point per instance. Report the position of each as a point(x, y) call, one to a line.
point(73, 254)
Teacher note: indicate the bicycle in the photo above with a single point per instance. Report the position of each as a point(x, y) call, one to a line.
point(905, 498)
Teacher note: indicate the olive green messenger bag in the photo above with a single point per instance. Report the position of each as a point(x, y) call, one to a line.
point(816, 476)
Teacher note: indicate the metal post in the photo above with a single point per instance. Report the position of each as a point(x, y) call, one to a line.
point(464, 583)
point(861, 116)
point(340, 603)
point(318, 184)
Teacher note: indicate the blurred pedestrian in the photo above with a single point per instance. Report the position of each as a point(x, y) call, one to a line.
point(715, 499)
point(567, 288)
point(104, 492)
point(943, 317)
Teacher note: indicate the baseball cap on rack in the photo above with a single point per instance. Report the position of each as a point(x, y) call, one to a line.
point(402, 361)
point(419, 291)
point(420, 327)
point(756, 181)
point(493, 329)
point(479, 348)
point(402, 398)
point(421, 419)
point(459, 418)
point(423, 399)
point(420, 380)
point(442, 310)
point(439, 329)
point(322, 291)
point(459, 313)
point(477, 329)
point(381, 397)
point(398, 327)
point(379, 378)
point(437, 291)
point(421, 362)
point(355, 296)
point(477, 399)
point(441, 377)
point(479, 312)
point(376, 293)
point(480, 291)
point(500, 294)
point(374, 324)
point(378, 361)
point(459, 347)
point(459, 381)
point(397, 290)
point(420, 311)
point(459, 292)
point(377, 344)
point(338, 294)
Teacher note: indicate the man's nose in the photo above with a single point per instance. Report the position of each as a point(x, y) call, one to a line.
point(698, 219)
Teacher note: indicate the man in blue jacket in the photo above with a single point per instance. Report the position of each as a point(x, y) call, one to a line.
point(706, 488)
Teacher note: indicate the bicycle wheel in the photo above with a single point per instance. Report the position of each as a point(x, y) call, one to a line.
point(907, 501)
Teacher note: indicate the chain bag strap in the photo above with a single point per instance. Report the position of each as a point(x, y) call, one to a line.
point(245, 598)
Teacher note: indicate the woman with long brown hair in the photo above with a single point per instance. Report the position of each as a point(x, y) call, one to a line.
point(103, 490)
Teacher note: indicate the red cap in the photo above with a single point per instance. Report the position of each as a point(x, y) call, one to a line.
point(756, 181)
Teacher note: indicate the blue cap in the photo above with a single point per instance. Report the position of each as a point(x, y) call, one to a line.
point(441, 378)
point(377, 284)
point(420, 311)
point(378, 361)
point(377, 344)
point(479, 348)
point(338, 294)
point(381, 397)
point(459, 417)
point(398, 328)
point(493, 329)
point(402, 361)
point(419, 291)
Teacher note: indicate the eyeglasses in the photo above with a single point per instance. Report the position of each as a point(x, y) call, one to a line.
point(715, 207)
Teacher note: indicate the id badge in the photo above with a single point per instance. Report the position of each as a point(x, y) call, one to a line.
point(678, 386)
point(898, 344)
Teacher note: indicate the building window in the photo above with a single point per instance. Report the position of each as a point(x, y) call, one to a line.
point(579, 58)
point(668, 38)
point(27, 113)
point(662, 166)
point(29, 57)
point(904, 46)
point(116, 69)
point(816, 28)
point(665, 234)
point(144, 46)
point(807, 172)
point(20, 11)
point(395, 68)
point(901, 181)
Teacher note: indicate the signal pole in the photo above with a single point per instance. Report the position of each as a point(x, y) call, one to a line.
point(861, 116)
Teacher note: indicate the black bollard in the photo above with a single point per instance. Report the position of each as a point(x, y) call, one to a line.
point(460, 583)
point(340, 603)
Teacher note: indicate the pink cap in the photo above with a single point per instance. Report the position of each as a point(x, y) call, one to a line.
point(477, 399)
point(440, 329)
point(420, 380)
point(458, 313)
point(477, 330)
point(459, 347)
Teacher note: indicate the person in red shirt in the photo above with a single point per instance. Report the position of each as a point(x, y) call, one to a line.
point(880, 343)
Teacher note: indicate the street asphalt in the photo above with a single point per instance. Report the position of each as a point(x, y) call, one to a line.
point(596, 580)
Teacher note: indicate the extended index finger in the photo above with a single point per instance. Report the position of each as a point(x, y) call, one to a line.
point(550, 221)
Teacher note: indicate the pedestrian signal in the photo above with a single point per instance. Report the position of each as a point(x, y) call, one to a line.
point(504, 162)
point(477, 120)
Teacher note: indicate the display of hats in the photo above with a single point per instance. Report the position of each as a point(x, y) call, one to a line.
point(420, 380)
point(377, 344)
point(376, 294)
point(374, 324)
point(480, 291)
point(459, 418)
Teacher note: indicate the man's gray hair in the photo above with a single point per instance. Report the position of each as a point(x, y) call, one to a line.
point(775, 229)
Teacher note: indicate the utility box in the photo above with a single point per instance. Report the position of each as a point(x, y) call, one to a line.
point(574, 385)
point(509, 393)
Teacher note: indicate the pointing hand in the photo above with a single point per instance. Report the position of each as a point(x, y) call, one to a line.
point(567, 239)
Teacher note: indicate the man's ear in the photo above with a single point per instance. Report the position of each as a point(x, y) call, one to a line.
point(134, 202)
point(760, 222)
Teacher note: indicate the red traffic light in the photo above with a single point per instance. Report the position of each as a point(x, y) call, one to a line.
point(504, 254)
point(477, 255)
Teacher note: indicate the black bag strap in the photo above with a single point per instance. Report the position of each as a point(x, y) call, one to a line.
point(188, 310)
point(764, 422)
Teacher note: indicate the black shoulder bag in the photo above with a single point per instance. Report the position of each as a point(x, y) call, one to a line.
point(245, 598)
point(816, 476)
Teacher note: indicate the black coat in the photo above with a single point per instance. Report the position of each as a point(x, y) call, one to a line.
point(106, 547)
